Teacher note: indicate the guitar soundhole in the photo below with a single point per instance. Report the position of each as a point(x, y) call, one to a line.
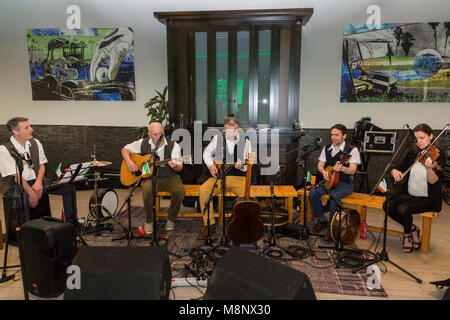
point(137, 173)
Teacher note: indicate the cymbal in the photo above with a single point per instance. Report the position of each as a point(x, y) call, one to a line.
point(101, 163)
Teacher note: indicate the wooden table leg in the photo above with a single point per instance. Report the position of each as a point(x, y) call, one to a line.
point(362, 210)
point(290, 205)
point(158, 205)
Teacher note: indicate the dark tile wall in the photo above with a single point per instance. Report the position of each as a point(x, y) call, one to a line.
point(71, 144)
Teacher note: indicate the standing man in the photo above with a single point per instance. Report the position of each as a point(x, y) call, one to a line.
point(330, 156)
point(34, 184)
point(167, 177)
point(235, 179)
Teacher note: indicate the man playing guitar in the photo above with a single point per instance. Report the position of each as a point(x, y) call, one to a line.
point(330, 156)
point(168, 179)
point(235, 181)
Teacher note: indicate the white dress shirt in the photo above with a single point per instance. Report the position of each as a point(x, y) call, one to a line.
point(135, 147)
point(354, 153)
point(8, 164)
point(210, 151)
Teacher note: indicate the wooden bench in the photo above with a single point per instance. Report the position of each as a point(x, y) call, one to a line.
point(362, 201)
point(288, 193)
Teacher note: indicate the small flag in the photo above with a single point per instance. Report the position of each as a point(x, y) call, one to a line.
point(308, 177)
point(58, 171)
point(382, 186)
point(145, 170)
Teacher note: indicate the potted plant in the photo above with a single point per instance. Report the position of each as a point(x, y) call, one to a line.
point(157, 111)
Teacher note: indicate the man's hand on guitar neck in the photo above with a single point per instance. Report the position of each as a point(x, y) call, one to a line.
point(213, 170)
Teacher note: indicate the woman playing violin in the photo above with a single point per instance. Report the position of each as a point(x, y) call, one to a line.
point(422, 186)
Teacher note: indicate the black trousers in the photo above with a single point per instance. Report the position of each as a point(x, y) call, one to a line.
point(402, 206)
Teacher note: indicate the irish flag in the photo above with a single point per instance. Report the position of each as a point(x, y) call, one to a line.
point(382, 186)
point(58, 171)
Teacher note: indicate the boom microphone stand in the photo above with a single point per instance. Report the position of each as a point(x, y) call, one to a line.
point(18, 209)
point(155, 241)
point(383, 255)
point(128, 231)
point(224, 241)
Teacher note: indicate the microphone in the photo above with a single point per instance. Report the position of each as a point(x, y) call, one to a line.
point(159, 141)
point(271, 188)
point(411, 133)
point(22, 156)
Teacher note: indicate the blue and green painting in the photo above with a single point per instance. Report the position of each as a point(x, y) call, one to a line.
point(82, 64)
point(396, 63)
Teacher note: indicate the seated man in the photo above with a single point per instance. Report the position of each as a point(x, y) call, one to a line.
point(167, 177)
point(330, 156)
point(235, 179)
point(34, 185)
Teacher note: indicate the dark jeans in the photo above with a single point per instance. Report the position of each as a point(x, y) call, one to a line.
point(402, 206)
point(68, 201)
point(341, 191)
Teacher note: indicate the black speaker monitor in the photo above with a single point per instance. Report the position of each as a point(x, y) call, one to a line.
point(48, 249)
point(242, 275)
point(125, 273)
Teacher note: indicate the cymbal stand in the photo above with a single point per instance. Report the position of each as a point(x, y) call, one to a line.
point(94, 211)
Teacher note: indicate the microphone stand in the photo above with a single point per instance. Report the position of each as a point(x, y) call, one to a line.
point(272, 241)
point(224, 241)
point(208, 240)
point(18, 209)
point(339, 247)
point(128, 231)
point(383, 255)
point(155, 240)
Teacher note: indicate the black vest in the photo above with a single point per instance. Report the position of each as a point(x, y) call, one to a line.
point(34, 154)
point(164, 171)
point(331, 161)
point(233, 171)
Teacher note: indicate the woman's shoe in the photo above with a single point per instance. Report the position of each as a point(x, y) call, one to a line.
point(415, 233)
point(407, 243)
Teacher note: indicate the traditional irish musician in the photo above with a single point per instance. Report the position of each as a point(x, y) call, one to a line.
point(235, 179)
point(421, 189)
point(330, 162)
point(34, 184)
point(167, 177)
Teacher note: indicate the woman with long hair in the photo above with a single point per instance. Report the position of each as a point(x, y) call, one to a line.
point(421, 190)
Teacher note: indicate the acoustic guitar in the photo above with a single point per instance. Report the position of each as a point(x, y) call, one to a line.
point(334, 175)
point(127, 178)
point(245, 224)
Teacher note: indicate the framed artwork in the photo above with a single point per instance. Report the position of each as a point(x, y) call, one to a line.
point(82, 64)
point(396, 63)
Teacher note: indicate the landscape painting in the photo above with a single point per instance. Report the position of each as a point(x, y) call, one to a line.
point(396, 63)
point(82, 64)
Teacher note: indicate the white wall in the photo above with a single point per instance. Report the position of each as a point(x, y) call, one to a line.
point(321, 58)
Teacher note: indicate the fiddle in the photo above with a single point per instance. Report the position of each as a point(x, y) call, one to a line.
point(429, 152)
point(433, 153)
